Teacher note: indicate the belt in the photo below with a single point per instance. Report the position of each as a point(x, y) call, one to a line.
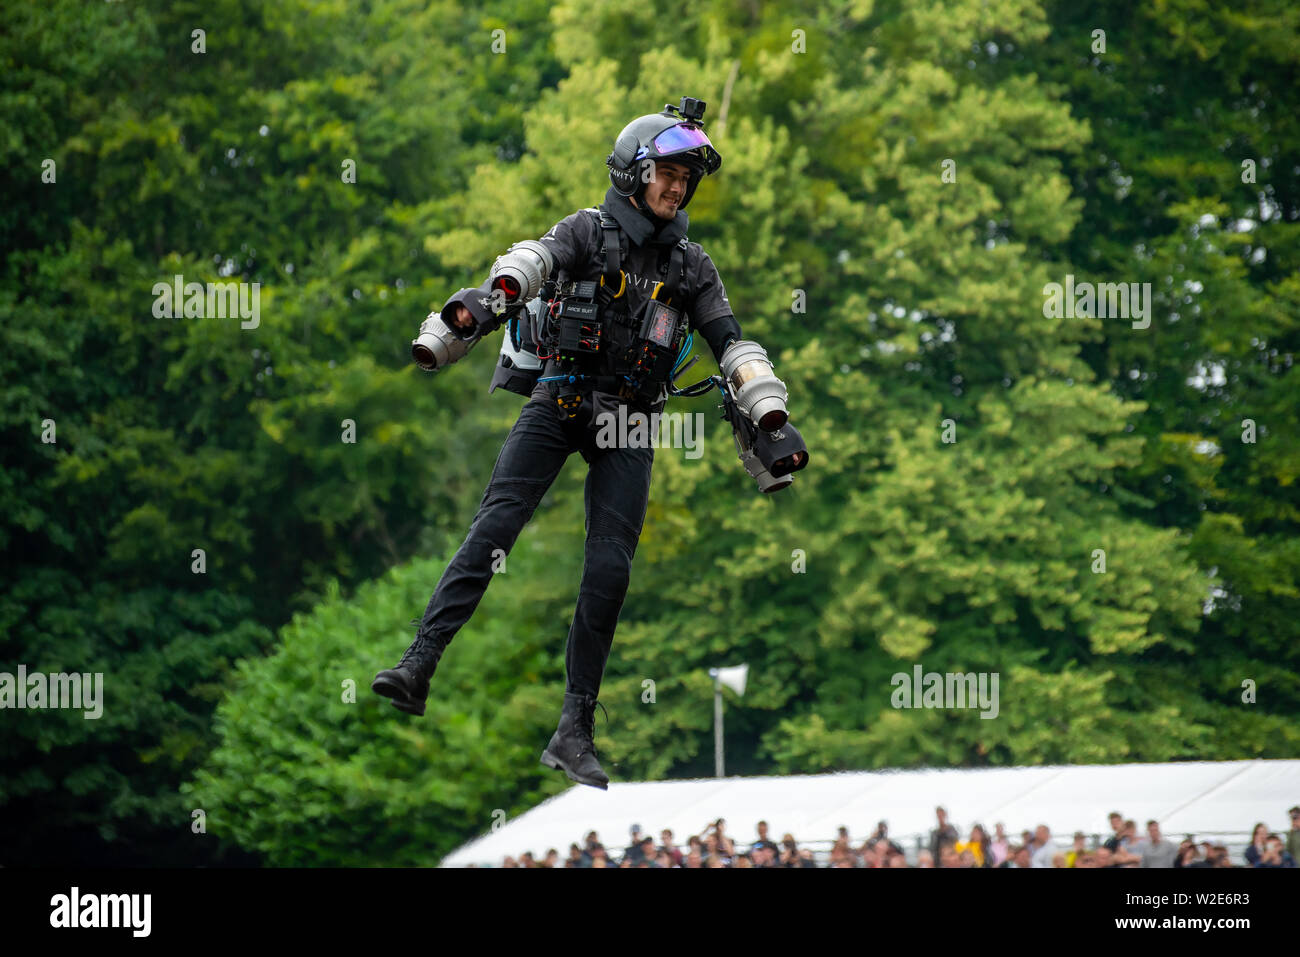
point(585, 383)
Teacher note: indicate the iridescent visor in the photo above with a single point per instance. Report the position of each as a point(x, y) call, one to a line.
point(678, 138)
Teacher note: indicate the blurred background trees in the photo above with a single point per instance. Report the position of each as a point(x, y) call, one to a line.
point(922, 298)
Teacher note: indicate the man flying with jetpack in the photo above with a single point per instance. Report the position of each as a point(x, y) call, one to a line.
point(600, 314)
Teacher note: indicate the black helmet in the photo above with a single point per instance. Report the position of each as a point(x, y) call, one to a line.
point(675, 133)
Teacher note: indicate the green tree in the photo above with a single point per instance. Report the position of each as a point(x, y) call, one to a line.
point(1190, 186)
point(188, 433)
point(314, 769)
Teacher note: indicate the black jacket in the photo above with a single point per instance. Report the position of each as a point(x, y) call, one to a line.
point(575, 243)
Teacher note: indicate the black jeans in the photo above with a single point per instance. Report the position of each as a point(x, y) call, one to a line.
point(617, 493)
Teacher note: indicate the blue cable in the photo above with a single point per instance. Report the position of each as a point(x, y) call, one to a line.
point(686, 348)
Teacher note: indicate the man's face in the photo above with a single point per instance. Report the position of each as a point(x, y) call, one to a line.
point(665, 192)
point(1103, 857)
point(1116, 822)
point(1153, 831)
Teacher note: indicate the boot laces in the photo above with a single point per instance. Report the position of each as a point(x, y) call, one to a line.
point(587, 723)
point(422, 652)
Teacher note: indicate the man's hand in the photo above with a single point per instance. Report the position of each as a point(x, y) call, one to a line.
point(461, 318)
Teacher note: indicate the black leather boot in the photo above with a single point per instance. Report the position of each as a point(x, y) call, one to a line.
point(573, 746)
point(408, 683)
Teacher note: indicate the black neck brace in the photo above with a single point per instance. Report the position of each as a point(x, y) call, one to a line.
point(643, 227)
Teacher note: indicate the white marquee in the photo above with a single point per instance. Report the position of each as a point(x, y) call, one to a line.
point(1212, 800)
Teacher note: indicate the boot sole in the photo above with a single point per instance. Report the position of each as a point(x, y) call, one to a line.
point(551, 761)
point(398, 695)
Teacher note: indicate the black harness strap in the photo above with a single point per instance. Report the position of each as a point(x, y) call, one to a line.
point(676, 269)
point(613, 254)
point(612, 251)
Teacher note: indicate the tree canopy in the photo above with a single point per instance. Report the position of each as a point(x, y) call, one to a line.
point(1104, 514)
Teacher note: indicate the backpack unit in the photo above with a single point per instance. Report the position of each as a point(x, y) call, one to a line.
point(585, 331)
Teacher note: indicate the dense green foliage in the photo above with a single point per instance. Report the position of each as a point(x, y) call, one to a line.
point(898, 546)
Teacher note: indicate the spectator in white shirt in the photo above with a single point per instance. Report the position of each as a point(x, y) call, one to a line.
point(1043, 847)
point(1156, 851)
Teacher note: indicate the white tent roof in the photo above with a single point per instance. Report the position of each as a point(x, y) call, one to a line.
point(1213, 800)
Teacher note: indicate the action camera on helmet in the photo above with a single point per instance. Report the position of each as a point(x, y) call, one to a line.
point(691, 109)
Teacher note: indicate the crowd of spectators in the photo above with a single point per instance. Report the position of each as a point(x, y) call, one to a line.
point(1124, 846)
